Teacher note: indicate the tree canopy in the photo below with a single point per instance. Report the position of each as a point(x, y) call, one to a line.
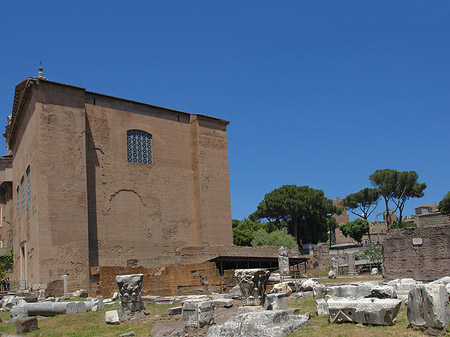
point(407, 187)
point(397, 187)
point(355, 229)
point(275, 238)
point(365, 201)
point(302, 208)
point(386, 182)
point(243, 231)
point(444, 204)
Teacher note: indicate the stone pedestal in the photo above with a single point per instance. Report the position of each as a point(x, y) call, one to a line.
point(283, 262)
point(252, 283)
point(351, 264)
point(130, 290)
point(198, 312)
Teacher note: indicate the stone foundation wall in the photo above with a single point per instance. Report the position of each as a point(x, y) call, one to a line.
point(182, 279)
point(422, 253)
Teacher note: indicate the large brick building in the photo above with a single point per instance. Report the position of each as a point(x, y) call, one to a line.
point(92, 180)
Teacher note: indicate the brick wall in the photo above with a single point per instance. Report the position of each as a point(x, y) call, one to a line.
point(182, 279)
point(432, 219)
point(422, 253)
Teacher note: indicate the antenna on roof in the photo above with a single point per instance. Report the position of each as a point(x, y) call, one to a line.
point(41, 72)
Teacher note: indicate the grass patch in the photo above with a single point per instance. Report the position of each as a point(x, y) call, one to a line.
point(318, 326)
point(92, 324)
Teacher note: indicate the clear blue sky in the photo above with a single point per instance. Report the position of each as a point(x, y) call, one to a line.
point(318, 93)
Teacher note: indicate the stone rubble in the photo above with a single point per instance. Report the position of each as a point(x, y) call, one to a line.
point(174, 311)
point(403, 285)
point(223, 302)
point(319, 290)
point(281, 288)
point(363, 310)
point(235, 293)
point(307, 285)
point(268, 323)
point(25, 325)
point(355, 291)
point(321, 307)
point(275, 301)
point(81, 293)
point(197, 311)
point(428, 306)
point(332, 274)
point(112, 317)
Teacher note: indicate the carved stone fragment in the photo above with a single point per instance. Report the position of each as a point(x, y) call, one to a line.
point(130, 290)
point(364, 311)
point(252, 283)
point(428, 306)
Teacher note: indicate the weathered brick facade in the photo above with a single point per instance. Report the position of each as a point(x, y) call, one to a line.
point(88, 205)
point(181, 279)
point(422, 253)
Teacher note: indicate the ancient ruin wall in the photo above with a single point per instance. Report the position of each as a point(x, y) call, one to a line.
point(182, 279)
point(422, 253)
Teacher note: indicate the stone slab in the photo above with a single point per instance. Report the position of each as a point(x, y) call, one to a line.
point(112, 317)
point(364, 310)
point(267, 323)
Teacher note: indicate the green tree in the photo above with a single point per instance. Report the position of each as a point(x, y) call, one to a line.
point(275, 238)
point(365, 201)
point(355, 229)
point(332, 225)
point(243, 232)
point(302, 208)
point(373, 254)
point(407, 187)
point(386, 182)
point(444, 205)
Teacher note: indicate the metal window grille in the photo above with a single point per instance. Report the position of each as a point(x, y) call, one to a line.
point(28, 186)
point(139, 147)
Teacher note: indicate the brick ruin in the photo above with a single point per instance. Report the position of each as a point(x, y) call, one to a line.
point(421, 253)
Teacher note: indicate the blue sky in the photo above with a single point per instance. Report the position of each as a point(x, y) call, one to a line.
point(318, 93)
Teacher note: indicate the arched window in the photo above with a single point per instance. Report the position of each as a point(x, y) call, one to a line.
point(139, 147)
